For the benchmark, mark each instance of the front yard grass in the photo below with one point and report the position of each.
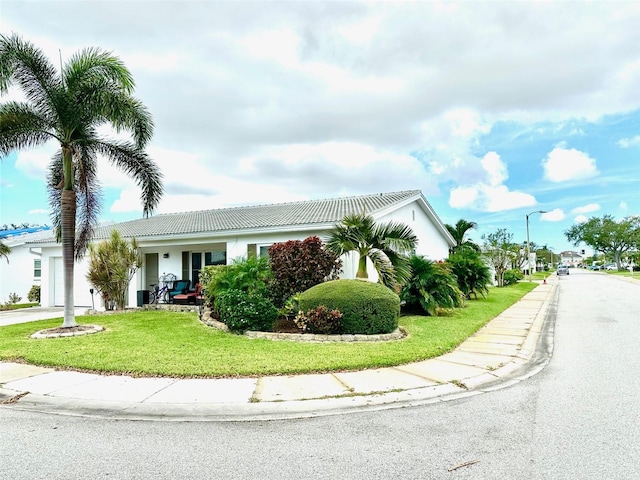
(154, 343)
(16, 306)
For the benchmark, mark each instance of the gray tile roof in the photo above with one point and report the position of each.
(282, 216)
(307, 213)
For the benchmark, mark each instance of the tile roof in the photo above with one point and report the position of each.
(282, 215)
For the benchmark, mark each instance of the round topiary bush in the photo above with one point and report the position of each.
(367, 308)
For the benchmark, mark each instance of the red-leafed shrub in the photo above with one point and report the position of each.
(320, 320)
(299, 265)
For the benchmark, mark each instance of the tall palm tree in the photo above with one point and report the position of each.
(459, 234)
(388, 246)
(5, 250)
(92, 89)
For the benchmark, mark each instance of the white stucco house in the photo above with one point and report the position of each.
(182, 243)
(571, 258)
(22, 268)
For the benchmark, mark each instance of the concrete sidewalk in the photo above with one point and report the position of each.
(510, 348)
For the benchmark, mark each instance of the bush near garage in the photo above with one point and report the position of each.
(34, 294)
(367, 308)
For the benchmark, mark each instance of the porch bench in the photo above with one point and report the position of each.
(185, 298)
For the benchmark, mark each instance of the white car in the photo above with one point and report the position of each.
(562, 270)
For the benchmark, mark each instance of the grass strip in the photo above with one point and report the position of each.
(156, 343)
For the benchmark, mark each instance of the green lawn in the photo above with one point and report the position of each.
(178, 345)
(624, 273)
(16, 306)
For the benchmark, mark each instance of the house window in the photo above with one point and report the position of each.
(264, 250)
(37, 268)
(210, 258)
(215, 258)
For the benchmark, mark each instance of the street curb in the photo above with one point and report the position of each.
(533, 356)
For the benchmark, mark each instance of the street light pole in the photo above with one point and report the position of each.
(528, 247)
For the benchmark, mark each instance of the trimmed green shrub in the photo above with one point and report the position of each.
(242, 311)
(472, 273)
(34, 294)
(432, 287)
(367, 308)
(512, 276)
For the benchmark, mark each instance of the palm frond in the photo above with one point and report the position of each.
(21, 126)
(27, 66)
(55, 177)
(136, 164)
(384, 267)
(91, 63)
(396, 236)
(88, 197)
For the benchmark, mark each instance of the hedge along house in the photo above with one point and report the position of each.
(182, 243)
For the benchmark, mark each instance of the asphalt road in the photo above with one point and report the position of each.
(578, 419)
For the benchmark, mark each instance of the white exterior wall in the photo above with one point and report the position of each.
(17, 275)
(431, 242)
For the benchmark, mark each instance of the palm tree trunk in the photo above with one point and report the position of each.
(68, 225)
(362, 267)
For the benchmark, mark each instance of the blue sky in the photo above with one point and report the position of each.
(493, 109)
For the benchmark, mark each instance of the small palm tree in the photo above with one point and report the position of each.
(459, 233)
(5, 250)
(93, 89)
(387, 246)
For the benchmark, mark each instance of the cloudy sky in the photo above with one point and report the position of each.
(493, 109)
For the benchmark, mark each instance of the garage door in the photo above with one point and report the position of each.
(58, 282)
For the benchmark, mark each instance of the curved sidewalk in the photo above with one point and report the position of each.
(510, 348)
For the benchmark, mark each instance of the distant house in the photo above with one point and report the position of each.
(24, 267)
(570, 258)
(182, 243)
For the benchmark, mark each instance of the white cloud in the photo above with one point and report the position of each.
(490, 194)
(293, 100)
(629, 142)
(580, 219)
(463, 197)
(38, 211)
(34, 163)
(563, 165)
(591, 207)
(623, 206)
(495, 168)
(554, 215)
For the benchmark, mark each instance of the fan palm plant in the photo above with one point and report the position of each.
(387, 246)
(432, 288)
(459, 234)
(93, 89)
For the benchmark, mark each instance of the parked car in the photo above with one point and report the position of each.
(610, 266)
(595, 267)
(562, 270)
